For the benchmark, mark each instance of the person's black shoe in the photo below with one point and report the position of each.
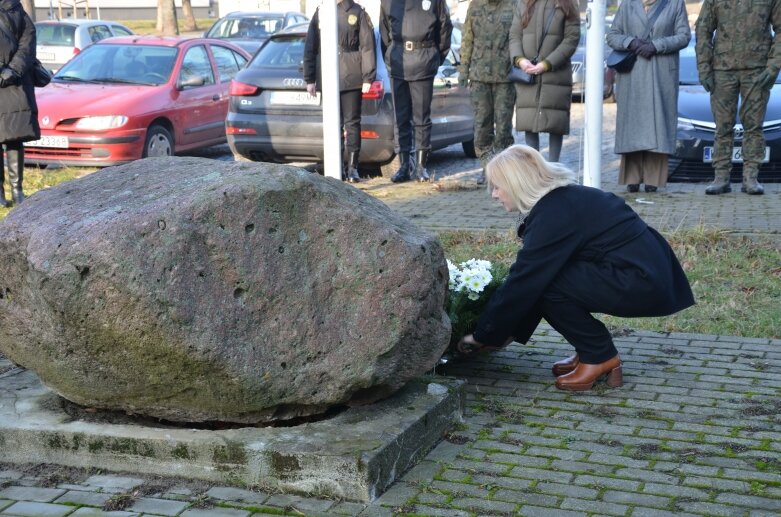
(651, 188)
(403, 174)
(633, 187)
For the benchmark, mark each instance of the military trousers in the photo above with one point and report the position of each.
(493, 105)
(729, 85)
(412, 105)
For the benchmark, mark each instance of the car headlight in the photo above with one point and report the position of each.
(101, 123)
(685, 124)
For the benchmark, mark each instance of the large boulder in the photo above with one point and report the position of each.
(190, 289)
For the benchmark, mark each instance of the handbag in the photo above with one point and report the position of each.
(41, 76)
(622, 61)
(517, 74)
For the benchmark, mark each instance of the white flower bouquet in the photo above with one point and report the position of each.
(470, 287)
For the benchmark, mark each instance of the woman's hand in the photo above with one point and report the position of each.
(524, 64)
(537, 69)
(467, 344)
(311, 90)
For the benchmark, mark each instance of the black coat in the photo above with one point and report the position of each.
(591, 241)
(357, 58)
(18, 110)
(415, 37)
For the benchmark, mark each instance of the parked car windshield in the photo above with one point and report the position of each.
(55, 34)
(281, 52)
(249, 27)
(107, 63)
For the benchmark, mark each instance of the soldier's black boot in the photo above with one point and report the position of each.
(3, 202)
(352, 168)
(15, 158)
(420, 168)
(402, 174)
(720, 184)
(750, 184)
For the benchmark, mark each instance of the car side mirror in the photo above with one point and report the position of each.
(193, 80)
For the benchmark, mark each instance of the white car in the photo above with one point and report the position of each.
(60, 40)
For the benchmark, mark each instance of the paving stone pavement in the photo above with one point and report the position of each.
(695, 430)
(456, 202)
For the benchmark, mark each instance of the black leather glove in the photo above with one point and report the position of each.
(766, 79)
(646, 50)
(635, 44)
(707, 82)
(8, 77)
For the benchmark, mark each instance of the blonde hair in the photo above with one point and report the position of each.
(521, 172)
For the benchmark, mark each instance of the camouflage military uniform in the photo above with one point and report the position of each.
(485, 62)
(737, 56)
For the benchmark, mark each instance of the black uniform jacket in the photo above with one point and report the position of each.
(584, 239)
(18, 110)
(415, 37)
(357, 58)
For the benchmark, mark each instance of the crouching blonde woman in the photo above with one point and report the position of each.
(584, 251)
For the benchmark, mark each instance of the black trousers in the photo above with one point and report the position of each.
(412, 104)
(350, 108)
(570, 315)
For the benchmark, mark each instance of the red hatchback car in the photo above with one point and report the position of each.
(127, 98)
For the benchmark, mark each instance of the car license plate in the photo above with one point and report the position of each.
(294, 99)
(737, 155)
(60, 142)
(45, 56)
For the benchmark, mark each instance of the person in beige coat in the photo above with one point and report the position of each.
(544, 107)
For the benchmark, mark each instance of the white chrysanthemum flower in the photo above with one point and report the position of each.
(473, 296)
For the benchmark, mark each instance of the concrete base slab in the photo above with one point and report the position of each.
(354, 455)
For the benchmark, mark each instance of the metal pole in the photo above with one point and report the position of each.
(329, 68)
(595, 79)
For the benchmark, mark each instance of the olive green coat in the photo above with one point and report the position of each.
(543, 107)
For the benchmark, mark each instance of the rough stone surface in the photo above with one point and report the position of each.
(194, 290)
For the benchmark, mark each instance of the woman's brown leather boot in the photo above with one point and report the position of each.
(565, 366)
(584, 375)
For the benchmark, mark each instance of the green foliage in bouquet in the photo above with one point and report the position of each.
(470, 288)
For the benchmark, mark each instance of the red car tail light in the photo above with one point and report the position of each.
(238, 89)
(369, 134)
(376, 91)
(76, 51)
(240, 131)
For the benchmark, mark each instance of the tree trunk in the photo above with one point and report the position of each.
(170, 25)
(159, 25)
(189, 17)
(29, 8)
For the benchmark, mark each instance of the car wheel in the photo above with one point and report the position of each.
(469, 149)
(159, 142)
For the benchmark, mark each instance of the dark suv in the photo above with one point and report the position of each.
(272, 118)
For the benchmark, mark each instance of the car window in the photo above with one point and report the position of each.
(248, 27)
(138, 64)
(227, 63)
(98, 32)
(55, 34)
(196, 63)
(280, 52)
(121, 31)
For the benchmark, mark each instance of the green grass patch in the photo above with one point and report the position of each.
(736, 280)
